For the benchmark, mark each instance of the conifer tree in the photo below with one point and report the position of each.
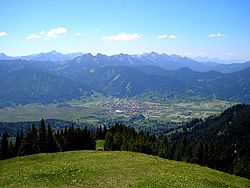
(11, 150)
(42, 141)
(21, 136)
(29, 144)
(51, 142)
(34, 140)
(198, 154)
(4, 147)
(18, 143)
(104, 132)
(109, 141)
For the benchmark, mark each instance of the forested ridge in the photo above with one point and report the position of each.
(220, 142)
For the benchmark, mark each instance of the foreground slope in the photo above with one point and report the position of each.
(109, 169)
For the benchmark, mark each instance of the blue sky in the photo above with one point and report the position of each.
(213, 28)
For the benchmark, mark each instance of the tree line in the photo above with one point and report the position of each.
(44, 139)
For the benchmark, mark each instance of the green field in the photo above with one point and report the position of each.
(109, 169)
(99, 110)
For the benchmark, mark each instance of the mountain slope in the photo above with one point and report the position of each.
(109, 169)
(225, 138)
(24, 86)
(232, 125)
(126, 81)
(233, 86)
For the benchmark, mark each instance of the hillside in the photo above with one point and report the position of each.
(109, 169)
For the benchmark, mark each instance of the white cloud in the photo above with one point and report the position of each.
(213, 35)
(55, 33)
(78, 34)
(2, 34)
(122, 37)
(167, 37)
(33, 36)
(42, 32)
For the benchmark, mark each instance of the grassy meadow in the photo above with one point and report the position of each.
(109, 169)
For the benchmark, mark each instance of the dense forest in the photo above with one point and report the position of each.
(43, 139)
(220, 142)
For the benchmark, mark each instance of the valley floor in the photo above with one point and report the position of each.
(96, 110)
(109, 169)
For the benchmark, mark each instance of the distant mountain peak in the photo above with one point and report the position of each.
(88, 55)
(53, 52)
(153, 53)
(3, 56)
(100, 54)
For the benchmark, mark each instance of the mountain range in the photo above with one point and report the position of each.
(165, 61)
(152, 76)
